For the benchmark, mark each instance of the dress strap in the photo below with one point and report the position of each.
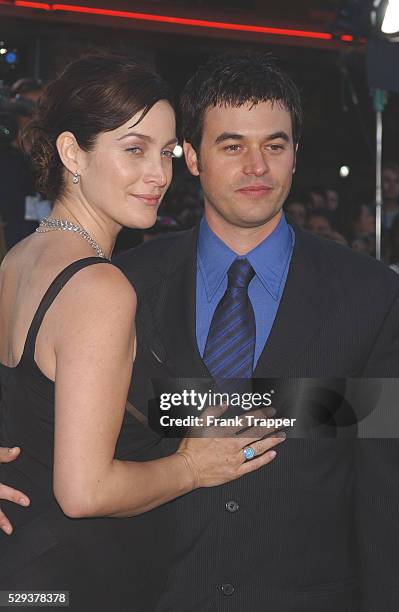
(58, 283)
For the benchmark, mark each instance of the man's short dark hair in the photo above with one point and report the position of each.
(236, 80)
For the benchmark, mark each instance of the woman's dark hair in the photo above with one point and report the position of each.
(236, 80)
(94, 94)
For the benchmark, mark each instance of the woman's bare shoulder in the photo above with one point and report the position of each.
(98, 304)
(99, 288)
(15, 255)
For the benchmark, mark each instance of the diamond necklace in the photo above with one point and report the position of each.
(49, 224)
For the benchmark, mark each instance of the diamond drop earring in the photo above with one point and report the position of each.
(76, 178)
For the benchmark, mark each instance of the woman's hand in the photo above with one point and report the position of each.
(7, 455)
(216, 455)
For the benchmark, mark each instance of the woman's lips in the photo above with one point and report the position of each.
(147, 198)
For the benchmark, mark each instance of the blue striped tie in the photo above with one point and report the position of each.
(229, 350)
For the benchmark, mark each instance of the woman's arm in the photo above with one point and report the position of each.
(94, 354)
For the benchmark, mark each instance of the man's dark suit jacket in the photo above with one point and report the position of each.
(317, 529)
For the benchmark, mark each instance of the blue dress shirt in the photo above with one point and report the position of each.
(270, 260)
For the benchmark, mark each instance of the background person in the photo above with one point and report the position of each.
(390, 193)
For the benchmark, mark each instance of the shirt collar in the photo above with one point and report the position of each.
(269, 259)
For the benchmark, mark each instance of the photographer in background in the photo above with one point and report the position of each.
(25, 94)
(20, 206)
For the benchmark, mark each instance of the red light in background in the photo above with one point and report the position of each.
(199, 23)
(37, 5)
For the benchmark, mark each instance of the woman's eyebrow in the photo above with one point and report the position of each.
(146, 138)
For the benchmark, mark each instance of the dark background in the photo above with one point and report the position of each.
(337, 131)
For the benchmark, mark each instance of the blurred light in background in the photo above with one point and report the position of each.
(10, 57)
(390, 24)
(344, 171)
(178, 151)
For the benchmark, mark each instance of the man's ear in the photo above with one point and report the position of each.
(295, 154)
(191, 158)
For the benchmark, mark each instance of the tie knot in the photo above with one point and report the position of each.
(240, 273)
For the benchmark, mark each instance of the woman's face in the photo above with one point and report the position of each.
(124, 178)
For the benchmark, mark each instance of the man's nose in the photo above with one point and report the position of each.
(255, 163)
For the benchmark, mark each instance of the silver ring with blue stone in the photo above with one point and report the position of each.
(249, 453)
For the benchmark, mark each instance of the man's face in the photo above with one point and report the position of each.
(297, 212)
(245, 163)
(332, 199)
(319, 225)
(390, 184)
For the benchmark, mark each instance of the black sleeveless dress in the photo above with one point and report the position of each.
(105, 563)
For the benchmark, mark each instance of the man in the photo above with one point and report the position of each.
(291, 537)
(284, 539)
(320, 222)
(390, 193)
(296, 211)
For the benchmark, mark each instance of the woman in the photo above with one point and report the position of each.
(103, 144)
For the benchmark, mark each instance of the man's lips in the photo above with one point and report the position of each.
(255, 190)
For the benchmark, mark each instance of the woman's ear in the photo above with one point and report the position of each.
(70, 153)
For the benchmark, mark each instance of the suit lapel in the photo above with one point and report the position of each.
(172, 302)
(305, 304)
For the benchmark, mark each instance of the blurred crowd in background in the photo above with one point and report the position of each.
(348, 220)
(351, 220)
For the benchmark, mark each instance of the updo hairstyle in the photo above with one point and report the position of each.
(94, 94)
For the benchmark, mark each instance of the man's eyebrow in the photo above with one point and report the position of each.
(234, 136)
(228, 136)
(280, 134)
